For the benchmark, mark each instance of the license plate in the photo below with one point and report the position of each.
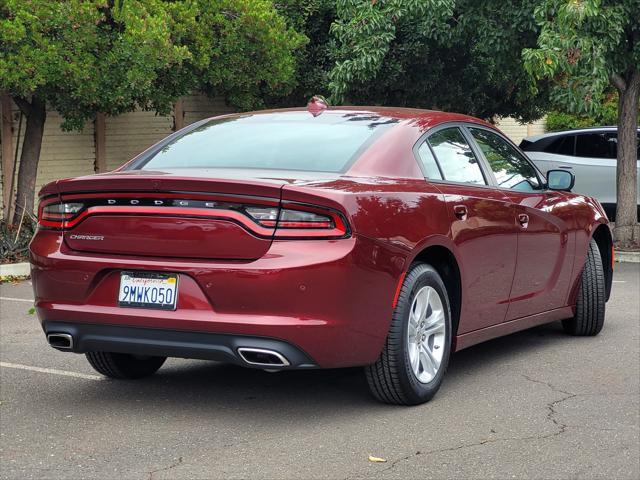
(148, 290)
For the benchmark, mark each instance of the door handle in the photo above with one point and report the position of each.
(566, 167)
(460, 211)
(523, 220)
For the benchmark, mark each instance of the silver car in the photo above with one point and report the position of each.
(590, 153)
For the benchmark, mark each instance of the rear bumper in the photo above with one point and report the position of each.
(331, 299)
(168, 343)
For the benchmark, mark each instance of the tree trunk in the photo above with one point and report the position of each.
(626, 230)
(36, 115)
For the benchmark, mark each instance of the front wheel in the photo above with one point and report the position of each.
(416, 353)
(123, 365)
(590, 304)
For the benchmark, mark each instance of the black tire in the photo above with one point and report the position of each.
(590, 304)
(124, 366)
(391, 378)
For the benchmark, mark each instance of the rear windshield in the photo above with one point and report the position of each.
(279, 141)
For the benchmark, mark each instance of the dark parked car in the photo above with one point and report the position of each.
(318, 238)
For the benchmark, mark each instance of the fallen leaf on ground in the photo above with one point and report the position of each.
(377, 459)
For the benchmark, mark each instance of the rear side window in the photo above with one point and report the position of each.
(455, 157)
(509, 167)
(429, 162)
(562, 146)
(277, 141)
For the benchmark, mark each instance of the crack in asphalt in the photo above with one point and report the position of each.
(173, 465)
(551, 416)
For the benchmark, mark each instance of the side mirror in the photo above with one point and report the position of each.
(562, 180)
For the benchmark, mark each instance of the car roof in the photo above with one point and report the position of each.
(423, 118)
(535, 138)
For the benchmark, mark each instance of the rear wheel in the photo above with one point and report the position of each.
(416, 353)
(590, 304)
(123, 365)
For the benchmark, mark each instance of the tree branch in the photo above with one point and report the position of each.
(618, 82)
(23, 104)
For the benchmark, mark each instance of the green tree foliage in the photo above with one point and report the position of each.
(458, 55)
(239, 49)
(313, 19)
(586, 47)
(81, 57)
(605, 114)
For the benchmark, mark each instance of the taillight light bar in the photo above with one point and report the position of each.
(290, 221)
(299, 221)
(54, 214)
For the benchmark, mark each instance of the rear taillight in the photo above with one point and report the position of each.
(300, 221)
(54, 214)
(265, 216)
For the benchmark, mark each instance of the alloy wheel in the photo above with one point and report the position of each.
(426, 334)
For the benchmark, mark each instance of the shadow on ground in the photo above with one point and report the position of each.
(207, 387)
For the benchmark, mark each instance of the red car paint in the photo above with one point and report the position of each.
(333, 296)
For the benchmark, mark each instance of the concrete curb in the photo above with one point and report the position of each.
(627, 257)
(15, 270)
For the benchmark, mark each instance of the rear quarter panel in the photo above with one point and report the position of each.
(398, 218)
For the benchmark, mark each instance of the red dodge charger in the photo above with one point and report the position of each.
(318, 238)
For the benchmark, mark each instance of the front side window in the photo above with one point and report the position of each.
(455, 157)
(275, 141)
(510, 168)
(612, 140)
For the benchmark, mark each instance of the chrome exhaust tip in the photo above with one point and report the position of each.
(262, 358)
(61, 341)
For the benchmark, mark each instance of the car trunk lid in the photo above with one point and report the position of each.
(159, 214)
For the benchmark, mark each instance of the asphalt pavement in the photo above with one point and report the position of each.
(536, 404)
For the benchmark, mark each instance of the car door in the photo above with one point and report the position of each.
(544, 249)
(482, 226)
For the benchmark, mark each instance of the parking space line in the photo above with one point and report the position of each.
(619, 281)
(13, 299)
(52, 371)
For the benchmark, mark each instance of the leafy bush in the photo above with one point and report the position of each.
(14, 243)
(566, 121)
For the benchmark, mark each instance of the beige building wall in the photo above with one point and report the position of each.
(129, 134)
(70, 154)
(63, 154)
(200, 107)
(516, 131)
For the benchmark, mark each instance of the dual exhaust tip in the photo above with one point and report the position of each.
(258, 357)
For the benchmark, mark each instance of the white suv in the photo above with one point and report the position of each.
(589, 153)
